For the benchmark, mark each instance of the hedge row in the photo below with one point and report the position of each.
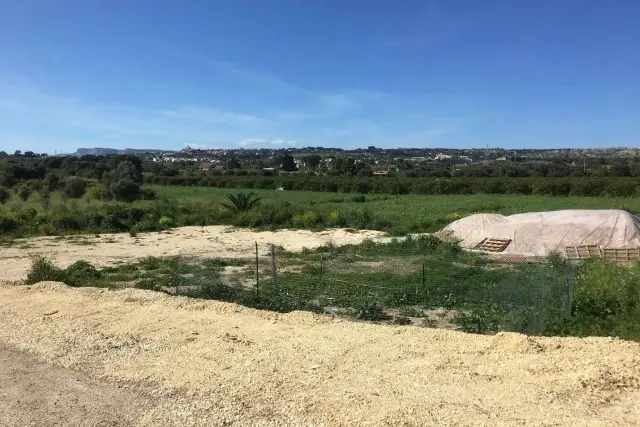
(590, 187)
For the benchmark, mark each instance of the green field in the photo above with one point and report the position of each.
(413, 213)
(180, 206)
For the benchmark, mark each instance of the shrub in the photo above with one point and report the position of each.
(125, 190)
(74, 187)
(42, 270)
(165, 222)
(306, 220)
(334, 219)
(96, 193)
(147, 194)
(34, 184)
(360, 198)
(80, 273)
(5, 195)
(24, 191)
(8, 223)
(51, 181)
(369, 309)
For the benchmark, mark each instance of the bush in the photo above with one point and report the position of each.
(125, 190)
(360, 198)
(147, 194)
(308, 219)
(96, 193)
(80, 273)
(8, 223)
(74, 187)
(5, 195)
(24, 191)
(369, 309)
(43, 270)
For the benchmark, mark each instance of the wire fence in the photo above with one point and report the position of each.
(411, 281)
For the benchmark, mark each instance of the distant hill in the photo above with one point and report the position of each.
(98, 151)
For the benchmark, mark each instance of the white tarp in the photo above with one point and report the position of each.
(539, 233)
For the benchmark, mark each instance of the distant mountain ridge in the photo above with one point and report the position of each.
(99, 151)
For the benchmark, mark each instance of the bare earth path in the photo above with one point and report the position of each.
(39, 394)
(210, 363)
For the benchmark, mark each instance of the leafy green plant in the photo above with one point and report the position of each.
(81, 273)
(242, 202)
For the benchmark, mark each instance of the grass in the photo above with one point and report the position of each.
(412, 213)
(180, 206)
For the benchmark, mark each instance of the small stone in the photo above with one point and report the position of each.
(314, 367)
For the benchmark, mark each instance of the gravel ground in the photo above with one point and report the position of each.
(211, 363)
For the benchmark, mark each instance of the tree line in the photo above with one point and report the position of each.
(589, 187)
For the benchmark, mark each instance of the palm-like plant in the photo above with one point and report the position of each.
(242, 202)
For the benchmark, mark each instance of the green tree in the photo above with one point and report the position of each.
(242, 202)
(312, 161)
(24, 191)
(122, 183)
(74, 187)
(288, 163)
(125, 190)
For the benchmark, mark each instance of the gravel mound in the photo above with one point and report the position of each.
(214, 363)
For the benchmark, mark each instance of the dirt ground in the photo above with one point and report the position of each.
(40, 394)
(158, 360)
(207, 242)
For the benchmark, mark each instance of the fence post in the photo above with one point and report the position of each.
(570, 296)
(273, 270)
(257, 272)
(424, 285)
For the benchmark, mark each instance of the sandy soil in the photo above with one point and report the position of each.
(213, 363)
(210, 241)
(40, 394)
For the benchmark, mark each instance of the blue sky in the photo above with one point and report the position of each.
(338, 73)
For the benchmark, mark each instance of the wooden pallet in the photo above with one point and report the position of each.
(583, 252)
(493, 244)
(621, 254)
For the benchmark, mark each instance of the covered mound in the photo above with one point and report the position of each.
(540, 233)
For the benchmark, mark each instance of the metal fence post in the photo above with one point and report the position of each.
(276, 290)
